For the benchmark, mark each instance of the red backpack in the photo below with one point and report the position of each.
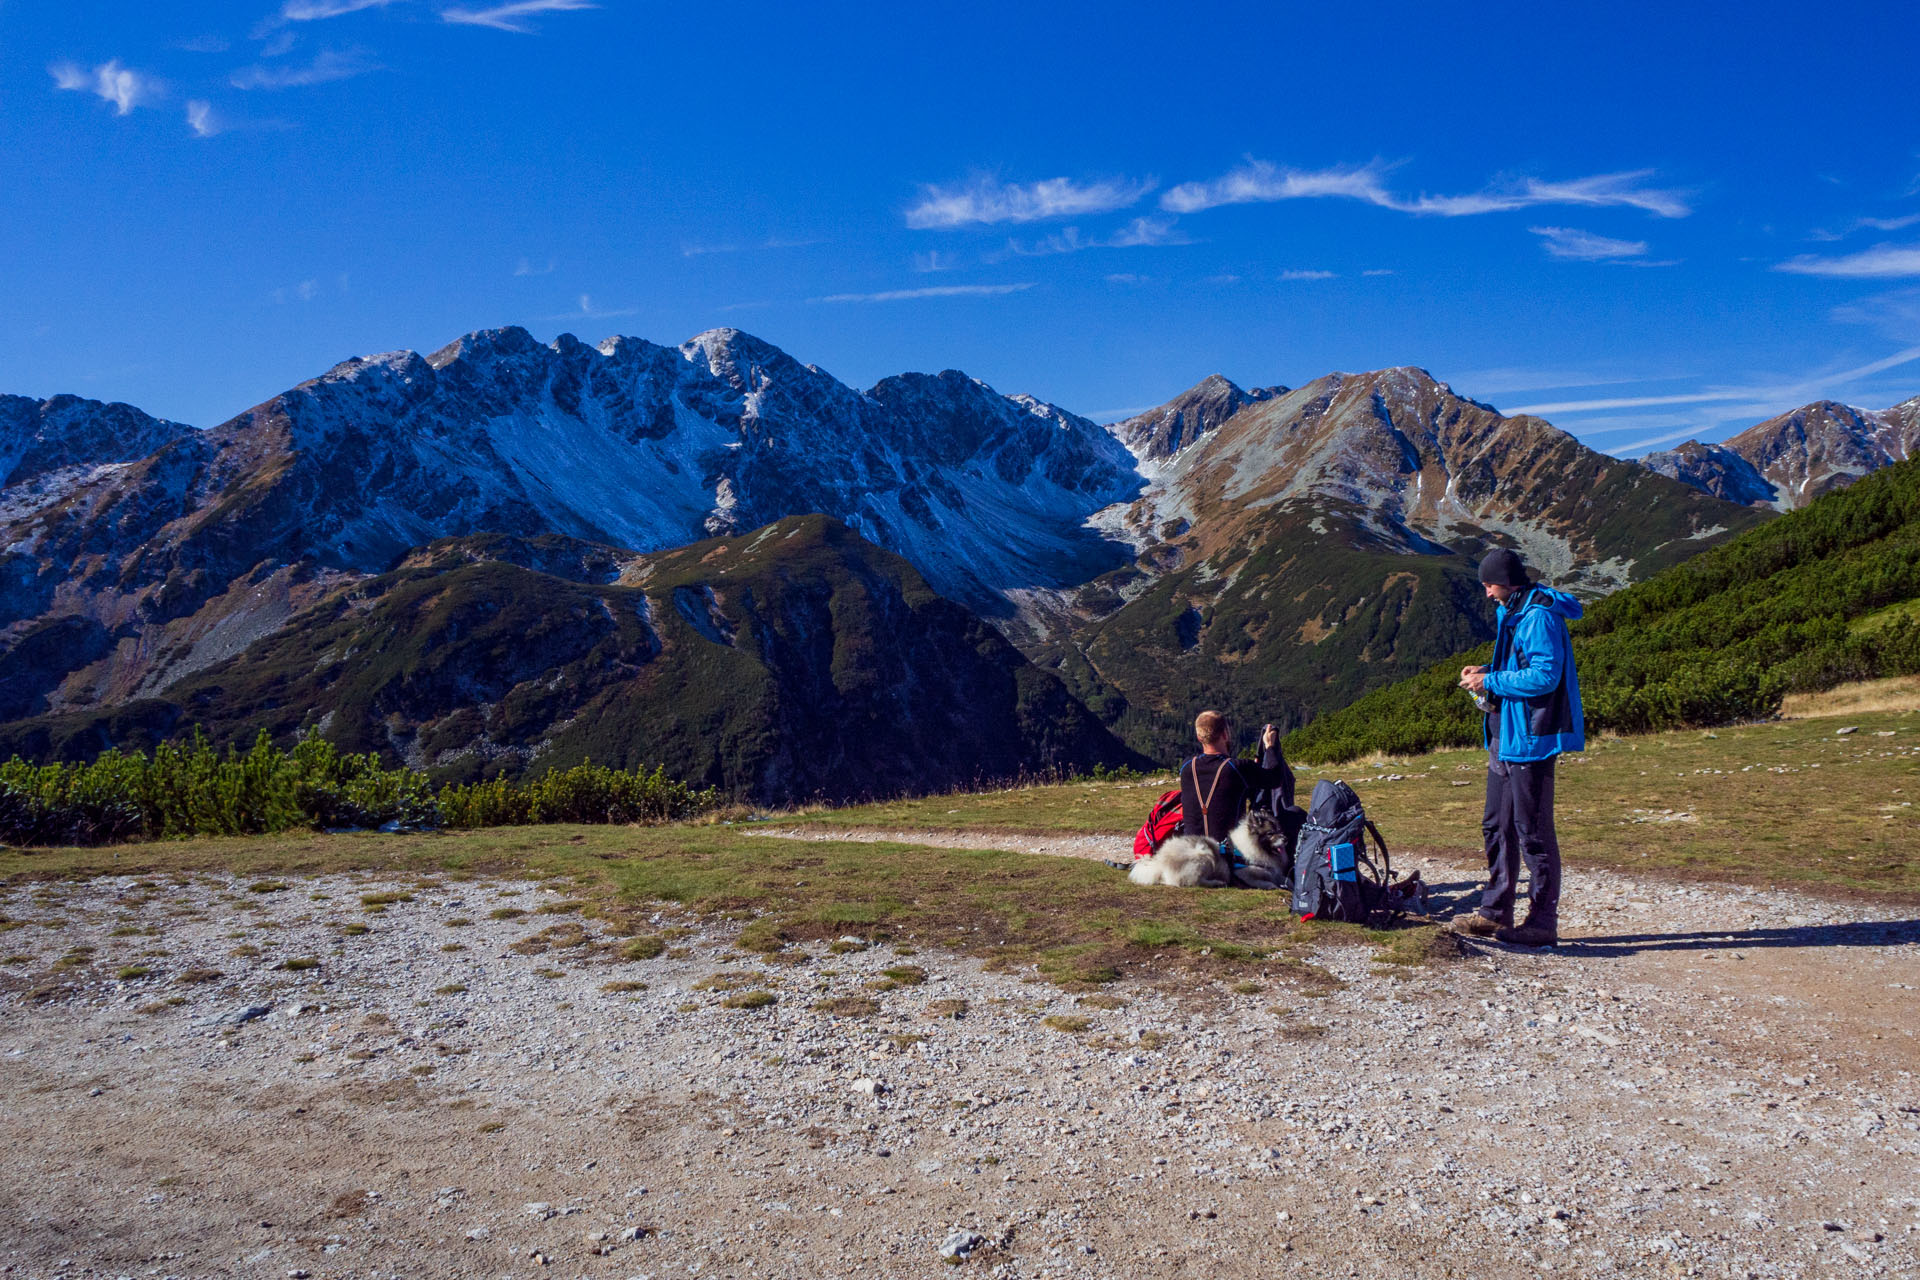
(1162, 821)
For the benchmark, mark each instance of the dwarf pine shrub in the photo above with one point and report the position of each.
(190, 789)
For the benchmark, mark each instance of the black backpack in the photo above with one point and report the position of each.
(1334, 877)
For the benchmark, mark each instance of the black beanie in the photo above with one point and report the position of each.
(1502, 568)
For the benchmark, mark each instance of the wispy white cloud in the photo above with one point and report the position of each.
(1882, 262)
(1308, 275)
(305, 291)
(1260, 182)
(124, 87)
(204, 44)
(202, 119)
(691, 250)
(987, 201)
(934, 261)
(1225, 277)
(1602, 191)
(1630, 402)
(1896, 314)
(513, 17)
(525, 267)
(1125, 277)
(319, 10)
(1138, 234)
(1763, 397)
(1585, 246)
(1378, 271)
(327, 66)
(1867, 224)
(932, 291)
(588, 311)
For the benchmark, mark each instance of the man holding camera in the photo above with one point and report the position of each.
(1530, 698)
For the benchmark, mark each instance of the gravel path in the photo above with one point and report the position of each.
(447, 1099)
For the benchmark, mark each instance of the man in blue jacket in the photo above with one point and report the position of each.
(1531, 698)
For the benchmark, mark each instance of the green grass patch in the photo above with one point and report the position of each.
(642, 948)
(848, 1007)
(749, 1000)
(906, 975)
(622, 988)
(1073, 1024)
(727, 981)
(127, 973)
(299, 964)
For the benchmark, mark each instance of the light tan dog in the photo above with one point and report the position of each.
(1184, 862)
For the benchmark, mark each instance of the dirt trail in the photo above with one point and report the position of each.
(1703, 1080)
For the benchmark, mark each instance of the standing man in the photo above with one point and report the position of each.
(1531, 699)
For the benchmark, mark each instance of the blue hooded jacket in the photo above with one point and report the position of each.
(1532, 674)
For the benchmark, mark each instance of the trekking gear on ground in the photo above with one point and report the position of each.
(1162, 821)
(1334, 877)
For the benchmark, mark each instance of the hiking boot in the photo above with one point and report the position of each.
(1479, 925)
(1527, 935)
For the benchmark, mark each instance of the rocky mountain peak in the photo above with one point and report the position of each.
(40, 437)
(1160, 433)
(1792, 458)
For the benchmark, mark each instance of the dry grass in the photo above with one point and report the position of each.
(1896, 693)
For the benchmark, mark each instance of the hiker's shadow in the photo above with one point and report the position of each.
(1870, 933)
(1456, 897)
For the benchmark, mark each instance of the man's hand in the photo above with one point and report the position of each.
(1474, 678)
(1269, 736)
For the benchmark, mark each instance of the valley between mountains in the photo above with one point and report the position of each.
(508, 555)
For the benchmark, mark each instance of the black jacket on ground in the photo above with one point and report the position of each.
(1199, 778)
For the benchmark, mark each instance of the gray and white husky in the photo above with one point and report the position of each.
(1189, 861)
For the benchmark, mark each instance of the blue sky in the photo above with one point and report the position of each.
(1645, 224)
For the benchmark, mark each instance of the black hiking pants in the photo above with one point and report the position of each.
(1518, 825)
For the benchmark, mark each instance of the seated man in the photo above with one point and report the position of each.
(1215, 788)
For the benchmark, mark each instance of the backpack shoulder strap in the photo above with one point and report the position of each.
(1206, 820)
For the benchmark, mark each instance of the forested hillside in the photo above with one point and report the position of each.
(1818, 597)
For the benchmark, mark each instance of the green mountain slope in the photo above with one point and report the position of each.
(1816, 598)
(792, 662)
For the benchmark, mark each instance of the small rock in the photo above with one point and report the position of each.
(869, 1086)
(633, 1233)
(248, 1014)
(540, 1209)
(1866, 1235)
(959, 1244)
(95, 1092)
(298, 1273)
(479, 1233)
(1841, 733)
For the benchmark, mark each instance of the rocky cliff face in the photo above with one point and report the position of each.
(1786, 462)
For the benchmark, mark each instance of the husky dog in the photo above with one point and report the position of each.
(1186, 861)
(1183, 862)
(1261, 841)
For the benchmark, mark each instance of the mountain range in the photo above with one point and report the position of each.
(1274, 551)
(1786, 462)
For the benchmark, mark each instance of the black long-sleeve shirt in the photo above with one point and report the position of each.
(1200, 780)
